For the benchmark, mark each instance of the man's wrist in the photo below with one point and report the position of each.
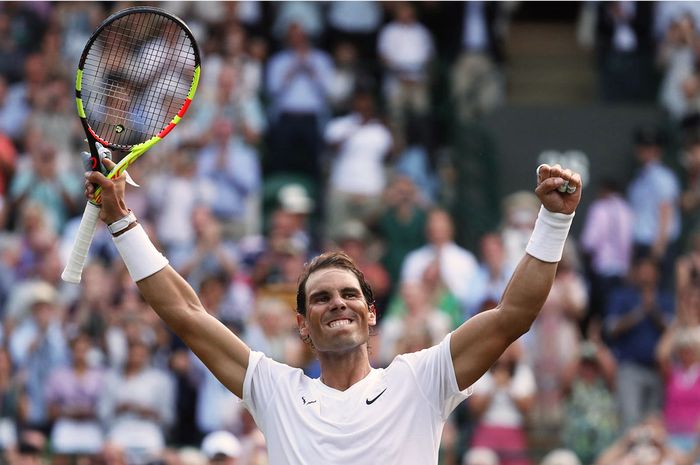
(122, 224)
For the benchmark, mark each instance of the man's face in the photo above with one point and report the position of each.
(337, 315)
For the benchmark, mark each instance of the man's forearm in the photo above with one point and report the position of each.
(527, 291)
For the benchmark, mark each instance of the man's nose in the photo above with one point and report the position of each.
(337, 302)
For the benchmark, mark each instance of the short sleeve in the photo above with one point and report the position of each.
(435, 376)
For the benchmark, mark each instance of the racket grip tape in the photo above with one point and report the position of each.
(78, 256)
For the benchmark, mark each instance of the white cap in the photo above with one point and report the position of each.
(561, 457)
(480, 456)
(294, 198)
(221, 443)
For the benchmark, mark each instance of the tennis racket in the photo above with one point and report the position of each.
(136, 79)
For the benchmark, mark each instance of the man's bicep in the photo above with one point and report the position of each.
(476, 345)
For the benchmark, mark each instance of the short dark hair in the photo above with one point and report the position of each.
(334, 259)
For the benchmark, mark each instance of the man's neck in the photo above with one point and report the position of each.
(340, 371)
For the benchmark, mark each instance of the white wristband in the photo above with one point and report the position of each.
(549, 236)
(141, 257)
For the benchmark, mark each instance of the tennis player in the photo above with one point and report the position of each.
(353, 413)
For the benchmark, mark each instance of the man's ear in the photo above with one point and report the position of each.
(372, 315)
(301, 324)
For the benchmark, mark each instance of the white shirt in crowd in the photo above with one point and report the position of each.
(458, 267)
(406, 47)
(502, 411)
(394, 415)
(359, 167)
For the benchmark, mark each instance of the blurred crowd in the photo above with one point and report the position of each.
(321, 125)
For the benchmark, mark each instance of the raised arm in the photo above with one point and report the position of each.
(169, 294)
(479, 341)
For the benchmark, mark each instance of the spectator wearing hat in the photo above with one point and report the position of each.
(654, 196)
(37, 346)
(221, 448)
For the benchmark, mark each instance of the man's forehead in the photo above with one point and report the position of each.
(328, 278)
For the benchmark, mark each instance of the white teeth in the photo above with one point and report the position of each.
(335, 323)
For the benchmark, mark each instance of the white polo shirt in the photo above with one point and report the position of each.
(392, 416)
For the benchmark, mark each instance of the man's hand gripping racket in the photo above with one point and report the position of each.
(135, 81)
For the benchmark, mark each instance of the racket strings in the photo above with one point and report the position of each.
(136, 76)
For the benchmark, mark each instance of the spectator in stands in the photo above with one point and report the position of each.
(231, 170)
(501, 401)
(71, 394)
(221, 448)
(690, 196)
(271, 330)
(210, 253)
(492, 277)
(678, 356)
(405, 49)
(13, 406)
(480, 456)
(356, 23)
(402, 225)
(677, 56)
(137, 405)
(457, 265)
(654, 196)
(606, 242)
(361, 143)
(37, 346)
(645, 443)
(623, 47)
(355, 240)
(590, 422)
(418, 314)
(552, 342)
(636, 317)
(41, 181)
(298, 82)
(478, 83)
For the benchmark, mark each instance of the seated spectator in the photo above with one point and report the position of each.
(37, 346)
(552, 342)
(361, 143)
(480, 456)
(221, 448)
(560, 457)
(405, 47)
(644, 443)
(12, 413)
(272, 330)
(137, 405)
(354, 239)
(678, 355)
(492, 277)
(231, 170)
(457, 265)
(72, 394)
(402, 225)
(500, 403)
(590, 422)
(418, 313)
(42, 182)
(636, 317)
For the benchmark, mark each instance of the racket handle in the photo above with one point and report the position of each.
(83, 239)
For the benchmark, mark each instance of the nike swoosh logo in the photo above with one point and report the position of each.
(369, 402)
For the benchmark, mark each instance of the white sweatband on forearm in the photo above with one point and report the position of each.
(549, 236)
(141, 257)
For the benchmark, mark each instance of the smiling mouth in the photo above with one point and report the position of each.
(337, 323)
